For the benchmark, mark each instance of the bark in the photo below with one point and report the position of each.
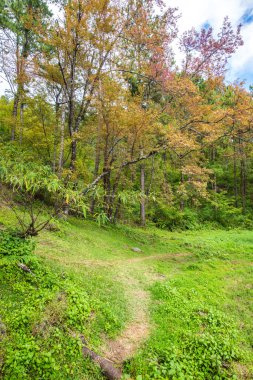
(107, 176)
(62, 137)
(107, 367)
(117, 211)
(56, 127)
(182, 205)
(15, 114)
(97, 162)
(143, 199)
(235, 178)
(73, 151)
(20, 72)
(22, 105)
(242, 175)
(121, 167)
(25, 268)
(151, 176)
(243, 184)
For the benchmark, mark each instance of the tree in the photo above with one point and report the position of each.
(18, 42)
(206, 55)
(29, 182)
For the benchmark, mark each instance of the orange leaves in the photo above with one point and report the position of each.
(180, 142)
(195, 182)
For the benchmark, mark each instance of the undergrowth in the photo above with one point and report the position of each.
(42, 315)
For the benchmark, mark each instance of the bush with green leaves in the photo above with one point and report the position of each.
(13, 245)
(170, 218)
(42, 333)
(29, 182)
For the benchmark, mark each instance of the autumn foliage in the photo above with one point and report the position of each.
(96, 94)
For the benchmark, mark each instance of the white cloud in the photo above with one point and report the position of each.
(242, 61)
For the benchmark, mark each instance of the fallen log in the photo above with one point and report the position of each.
(25, 268)
(107, 367)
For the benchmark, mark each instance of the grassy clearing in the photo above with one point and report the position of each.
(203, 318)
(197, 303)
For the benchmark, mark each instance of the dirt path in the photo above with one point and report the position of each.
(132, 260)
(137, 331)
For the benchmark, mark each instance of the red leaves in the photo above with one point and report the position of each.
(207, 55)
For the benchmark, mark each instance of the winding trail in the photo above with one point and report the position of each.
(125, 345)
(132, 260)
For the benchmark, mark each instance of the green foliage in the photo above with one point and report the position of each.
(45, 311)
(13, 245)
(169, 217)
(14, 16)
(29, 181)
(197, 308)
(102, 218)
(42, 339)
(200, 309)
(202, 345)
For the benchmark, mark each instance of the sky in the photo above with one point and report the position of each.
(198, 13)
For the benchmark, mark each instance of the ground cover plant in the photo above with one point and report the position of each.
(188, 296)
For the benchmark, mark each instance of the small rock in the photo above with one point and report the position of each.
(136, 249)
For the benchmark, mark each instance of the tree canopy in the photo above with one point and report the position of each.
(97, 96)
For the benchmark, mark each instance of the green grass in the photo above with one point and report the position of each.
(200, 302)
(203, 314)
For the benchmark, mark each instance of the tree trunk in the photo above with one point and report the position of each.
(97, 163)
(182, 205)
(62, 138)
(243, 184)
(242, 175)
(143, 200)
(22, 105)
(15, 115)
(235, 178)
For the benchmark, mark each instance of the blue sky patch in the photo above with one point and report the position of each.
(206, 25)
(247, 17)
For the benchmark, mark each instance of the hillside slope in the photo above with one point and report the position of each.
(179, 309)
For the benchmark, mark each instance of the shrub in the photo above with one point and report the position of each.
(13, 245)
(170, 218)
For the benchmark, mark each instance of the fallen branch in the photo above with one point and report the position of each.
(107, 367)
(25, 268)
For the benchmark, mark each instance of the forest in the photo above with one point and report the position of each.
(126, 197)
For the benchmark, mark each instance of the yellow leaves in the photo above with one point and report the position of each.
(195, 182)
(180, 141)
(196, 172)
(50, 72)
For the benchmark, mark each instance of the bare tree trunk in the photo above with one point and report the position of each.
(143, 200)
(242, 175)
(97, 162)
(22, 105)
(56, 127)
(151, 176)
(235, 178)
(62, 137)
(15, 115)
(243, 184)
(182, 205)
(73, 154)
(117, 211)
